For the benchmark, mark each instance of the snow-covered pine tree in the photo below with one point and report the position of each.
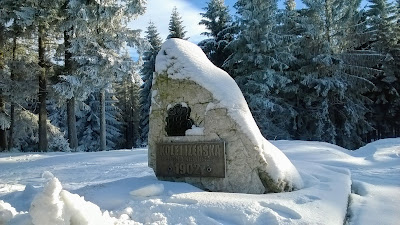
(290, 5)
(290, 29)
(334, 76)
(98, 33)
(68, 70)
(45, 19)
(257, 63)
(147, 71)
(218, 22)
(127, 93)
(27, 138)
(19, 55)
(7, 15)
(89, 123)
(114, 121)
(176, 28)
(384, 30)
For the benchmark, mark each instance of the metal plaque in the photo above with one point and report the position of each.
(190, 159)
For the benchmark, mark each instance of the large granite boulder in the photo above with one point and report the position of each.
(211, 107)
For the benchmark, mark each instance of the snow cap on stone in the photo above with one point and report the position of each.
(180, 59)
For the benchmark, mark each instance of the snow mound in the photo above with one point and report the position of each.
(47, 175)
(7, 212)
(57, 206)
(147, 191)
(180, 59)
(47, 208)
(381, 150)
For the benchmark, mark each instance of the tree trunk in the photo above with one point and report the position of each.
(328, 20)
(12, 104)
(102, 120)
(3, 132)
(43, 142)
(71, 118)
(129, 113)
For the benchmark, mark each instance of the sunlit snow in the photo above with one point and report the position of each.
(117, 187)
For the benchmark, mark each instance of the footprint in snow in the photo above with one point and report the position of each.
(306, 199)
(181, 201)
(282, 211)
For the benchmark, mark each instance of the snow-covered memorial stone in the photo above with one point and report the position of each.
(201, 130)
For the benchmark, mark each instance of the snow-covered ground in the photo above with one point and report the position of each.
(117, 187)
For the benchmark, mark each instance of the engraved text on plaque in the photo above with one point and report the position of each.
(190, 159)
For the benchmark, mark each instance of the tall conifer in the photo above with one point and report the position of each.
(176, 28)
(334, 76)
(219, 25)
(147, 75)
(257, 64)
(384, 30)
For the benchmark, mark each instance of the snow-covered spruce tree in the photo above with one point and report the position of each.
(45, 19)
(20, 57)
(68, 70)
(290, 28)
(218, 22)
(175, 27)
(384, 30)
(114, 122)
(127, 93)
(27, 138)
(333, 75)
(97, 35)
(257, 64)
(290, 5)
(90, 123)
(147, 71)
(7, 16)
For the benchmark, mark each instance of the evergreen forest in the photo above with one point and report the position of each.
(326, 72)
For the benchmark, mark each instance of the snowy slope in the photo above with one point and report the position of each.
(123, 190)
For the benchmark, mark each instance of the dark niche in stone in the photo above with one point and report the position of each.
(178, 120)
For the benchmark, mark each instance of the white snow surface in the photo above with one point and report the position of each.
(181, 59)
(117, 187)
(195, 131)
(149, 190)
